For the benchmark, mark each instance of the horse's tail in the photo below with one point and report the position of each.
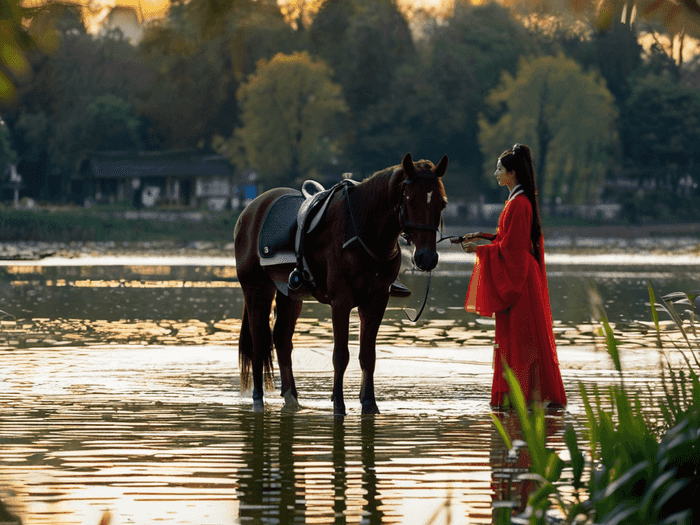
(245, 357)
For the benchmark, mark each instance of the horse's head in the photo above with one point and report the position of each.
(421, 202)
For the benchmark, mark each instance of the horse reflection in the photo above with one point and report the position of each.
(268, 484)
(276, 485)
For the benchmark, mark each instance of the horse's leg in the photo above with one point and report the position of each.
(288, 311)
(258, 304)
(371, 315)
(340, 314)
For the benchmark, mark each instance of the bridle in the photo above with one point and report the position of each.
(407, 226)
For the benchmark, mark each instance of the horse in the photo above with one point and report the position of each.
(352, 257)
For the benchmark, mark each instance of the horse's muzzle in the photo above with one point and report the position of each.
(426, 259)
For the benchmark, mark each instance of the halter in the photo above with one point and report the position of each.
(406, 226)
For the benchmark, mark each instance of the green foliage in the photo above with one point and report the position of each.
(290, 119)
(565, 115)
(364, 42)
(95, 226)
(199, 60)
(8, 155)
(660, 126)
(633, 477)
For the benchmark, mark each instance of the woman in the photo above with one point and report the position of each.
(510, 281)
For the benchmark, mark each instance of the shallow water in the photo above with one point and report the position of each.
(120, 393)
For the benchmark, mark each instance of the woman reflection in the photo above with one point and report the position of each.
(510, 281)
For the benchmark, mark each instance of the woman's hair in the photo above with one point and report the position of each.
(519, 159)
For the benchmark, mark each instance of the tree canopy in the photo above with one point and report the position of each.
(400, 81)
(565, 115)
(290, 111)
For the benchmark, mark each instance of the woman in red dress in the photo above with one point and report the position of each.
(510, 281)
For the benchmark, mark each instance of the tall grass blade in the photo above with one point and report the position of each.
(592, 423)
(577, 459)
(655, 315)
(502, 432)
(517, 398)
(611, 344)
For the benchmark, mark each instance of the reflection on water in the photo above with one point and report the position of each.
(120, 393)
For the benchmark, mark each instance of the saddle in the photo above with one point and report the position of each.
(288, 220)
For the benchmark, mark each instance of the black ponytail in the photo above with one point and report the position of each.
(519, 160)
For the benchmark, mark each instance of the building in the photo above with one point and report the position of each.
(165, 178)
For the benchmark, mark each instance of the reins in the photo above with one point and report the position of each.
(357, 237)
(427, 288)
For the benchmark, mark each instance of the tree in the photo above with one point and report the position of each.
(111, 125)
(32, 132)
(8, 155)
(63, 86)
(565, 115)
(660, 128)
(467, 56)
(290, 111)
(677, 16)
(200, 57)
(364, 42)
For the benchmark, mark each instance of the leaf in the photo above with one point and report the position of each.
(502, 431)
(577, 459)
(620, 513)
(537, 451)
(670, 310)
(625, 478)
(611, 344)
(555, 465)
(654, 313)
(592, 422)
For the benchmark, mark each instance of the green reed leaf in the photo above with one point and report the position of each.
(555, 465)
(577, 459)
(611, 344)
(592, 422)
(517, 398)
(502, 431)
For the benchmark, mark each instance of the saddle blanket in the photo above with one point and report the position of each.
(276, 240)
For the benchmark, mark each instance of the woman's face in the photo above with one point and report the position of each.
(504, 177)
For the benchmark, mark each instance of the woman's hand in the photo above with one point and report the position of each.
(468, 246)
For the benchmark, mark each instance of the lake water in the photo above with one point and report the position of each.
(120, 394)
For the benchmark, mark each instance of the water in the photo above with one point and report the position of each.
(120, 394)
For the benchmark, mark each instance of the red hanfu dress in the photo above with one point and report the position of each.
(509, 282)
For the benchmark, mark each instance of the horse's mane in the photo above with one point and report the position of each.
(377, 184)
(381, 175)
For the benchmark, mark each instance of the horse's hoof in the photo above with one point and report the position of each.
(290, 402)
(338, 409)
(258, 406)
(370, 409)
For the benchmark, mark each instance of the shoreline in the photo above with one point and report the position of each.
(606, 243)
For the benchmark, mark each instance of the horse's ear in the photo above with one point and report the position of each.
(408, 168)
(441, 168)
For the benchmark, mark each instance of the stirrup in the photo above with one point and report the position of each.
(399, 290)
(296, 279)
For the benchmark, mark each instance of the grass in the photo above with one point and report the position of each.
(97, 225)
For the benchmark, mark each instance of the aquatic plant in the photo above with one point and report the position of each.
(633, 477)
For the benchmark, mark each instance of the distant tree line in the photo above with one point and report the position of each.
(355, 84)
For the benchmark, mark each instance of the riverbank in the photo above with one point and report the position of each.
(35, 235)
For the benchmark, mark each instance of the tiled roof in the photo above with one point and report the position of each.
(181, 164)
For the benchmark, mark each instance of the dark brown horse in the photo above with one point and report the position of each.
(348, 271)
